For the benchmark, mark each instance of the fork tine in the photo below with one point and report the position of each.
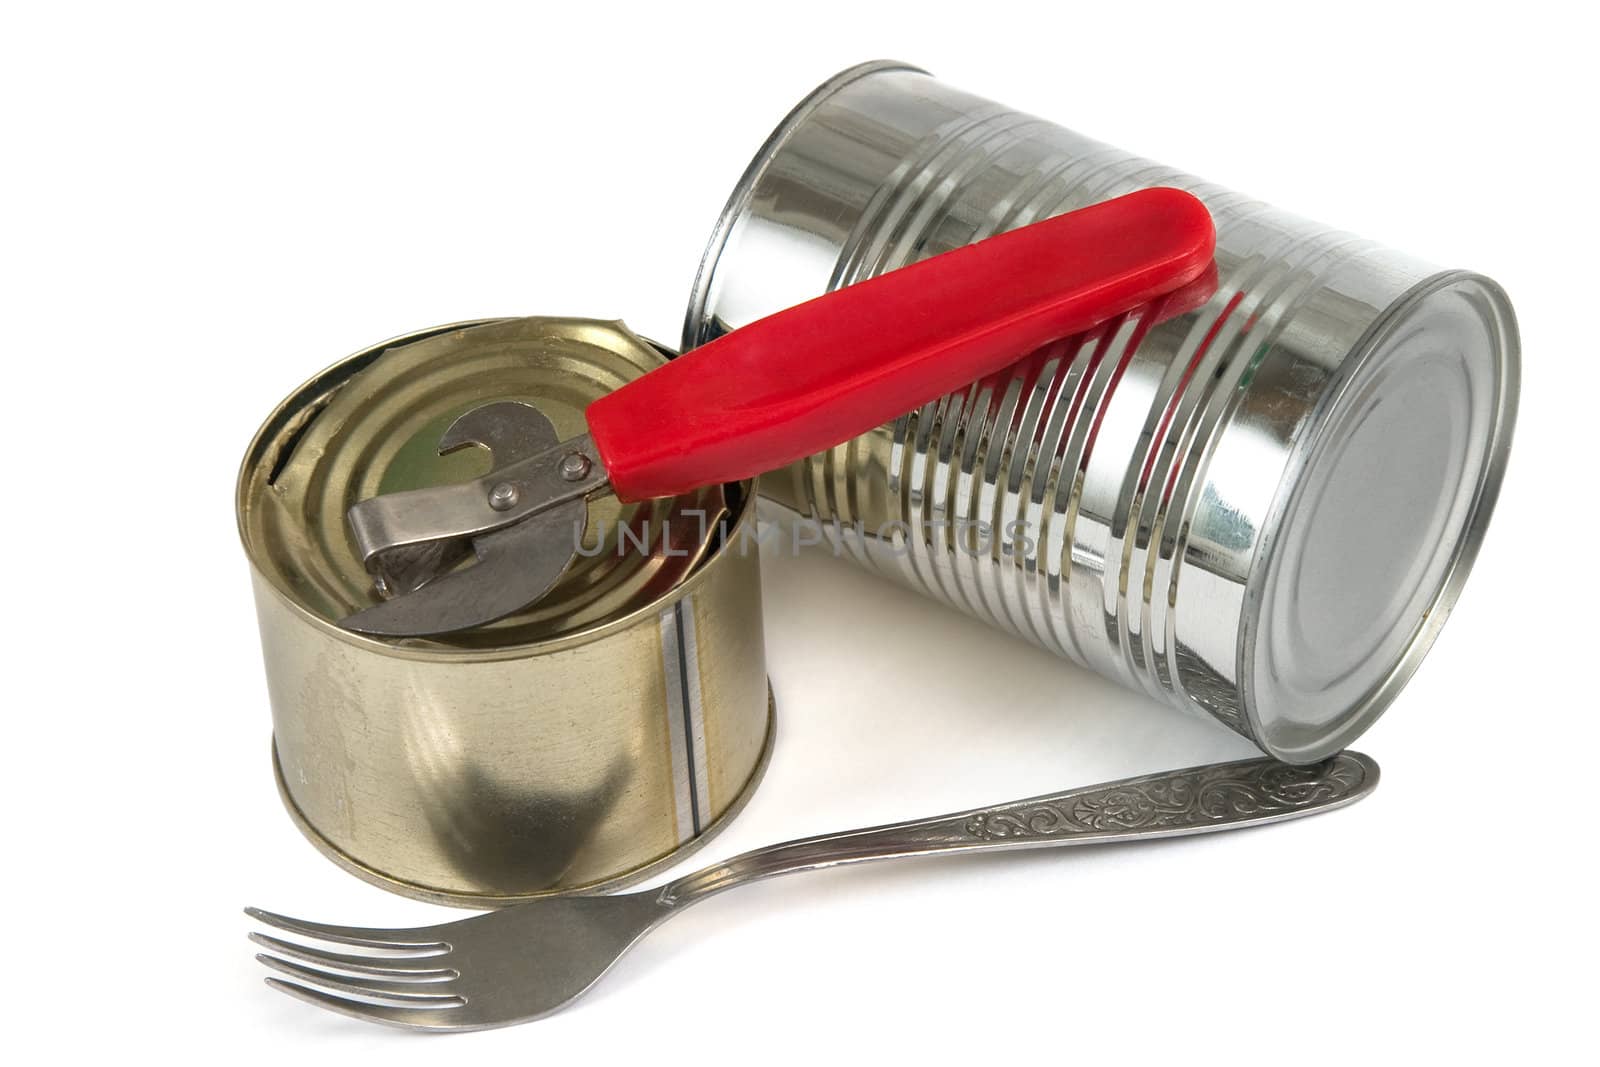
(365, 937)
(410, 994)
(418, 1018)
(412, 967)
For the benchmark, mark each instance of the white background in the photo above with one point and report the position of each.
(202, 205)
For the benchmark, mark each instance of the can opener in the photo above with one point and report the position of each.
(794, 383)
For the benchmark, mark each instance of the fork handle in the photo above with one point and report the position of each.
(1196, 800)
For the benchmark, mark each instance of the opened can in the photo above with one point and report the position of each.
(582, 743)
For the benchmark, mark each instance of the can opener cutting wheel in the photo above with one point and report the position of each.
(794, 383)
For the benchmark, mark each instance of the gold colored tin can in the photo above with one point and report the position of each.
(580, 744)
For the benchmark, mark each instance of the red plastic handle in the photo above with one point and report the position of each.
(816, 375)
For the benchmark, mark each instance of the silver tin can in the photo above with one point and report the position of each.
(1261, 510)
(583, 743)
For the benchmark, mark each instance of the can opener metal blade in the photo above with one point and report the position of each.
(794, 383)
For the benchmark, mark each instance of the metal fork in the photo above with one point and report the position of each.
(522, 962)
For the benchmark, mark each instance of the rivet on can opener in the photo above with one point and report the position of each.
(786, 386)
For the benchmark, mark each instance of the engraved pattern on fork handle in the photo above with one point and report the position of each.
(1196, 800)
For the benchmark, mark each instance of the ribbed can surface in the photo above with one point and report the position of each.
(1168, 503)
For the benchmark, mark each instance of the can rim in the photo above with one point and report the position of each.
(744, 189)
(321, 382)
(328, 378)
(1468, 538)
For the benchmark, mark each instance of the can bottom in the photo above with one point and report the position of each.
(627, 878)
(1391, 496)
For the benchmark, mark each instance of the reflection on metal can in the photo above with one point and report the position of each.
(584, 742)
(1261, 510)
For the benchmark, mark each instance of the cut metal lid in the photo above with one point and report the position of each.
(376, 424)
